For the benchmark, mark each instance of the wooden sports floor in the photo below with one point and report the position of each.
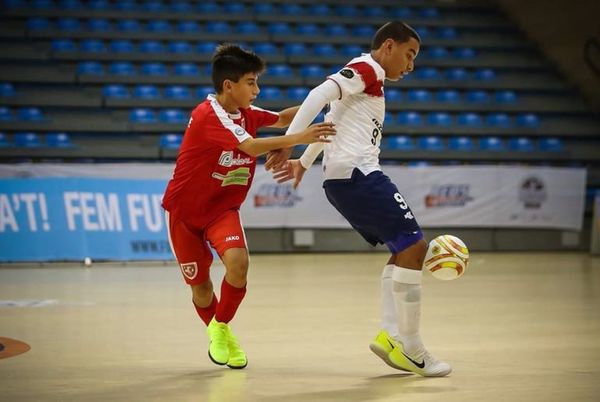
(515, 327)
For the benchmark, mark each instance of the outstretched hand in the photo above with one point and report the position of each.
(291, 169)
(318, 132)
(277, 158)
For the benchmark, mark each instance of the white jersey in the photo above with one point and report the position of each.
(358, 116)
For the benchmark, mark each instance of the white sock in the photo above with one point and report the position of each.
(407, 298)
(388, 306)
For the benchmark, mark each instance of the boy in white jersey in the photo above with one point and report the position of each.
(355, 185)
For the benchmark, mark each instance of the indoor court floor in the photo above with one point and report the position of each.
(515, 327)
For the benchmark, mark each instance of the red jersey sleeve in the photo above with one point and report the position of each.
(358, 77)
(263, 117)
(219, 129)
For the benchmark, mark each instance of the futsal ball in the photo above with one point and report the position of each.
(447, 257)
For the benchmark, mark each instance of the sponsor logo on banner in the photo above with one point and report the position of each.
(189, 270)
(276, 195)
(448, 195)
(532, 192)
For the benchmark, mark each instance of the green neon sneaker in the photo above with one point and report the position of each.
(420, 362)
(218, 349)
(382, 346)
(237, 356)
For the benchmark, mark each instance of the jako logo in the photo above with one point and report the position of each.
(232, 238)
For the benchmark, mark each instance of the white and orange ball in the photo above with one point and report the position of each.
(447, 257)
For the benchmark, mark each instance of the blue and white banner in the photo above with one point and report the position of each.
(75, 218)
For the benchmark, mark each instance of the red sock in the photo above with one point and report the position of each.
(231, 297)
(207, 313)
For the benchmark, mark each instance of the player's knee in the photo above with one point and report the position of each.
(202, 293)
(412, 257)
(236, 265)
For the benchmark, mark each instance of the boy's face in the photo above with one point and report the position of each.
(402, 58)
(243, 92)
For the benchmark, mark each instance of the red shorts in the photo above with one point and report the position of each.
(191, 246)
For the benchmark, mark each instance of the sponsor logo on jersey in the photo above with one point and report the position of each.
(239, 177)
(232, 238)
(226, 159)
(276, 195)
(532, 192)
(346, 72)
(189, 270)
(448, 195)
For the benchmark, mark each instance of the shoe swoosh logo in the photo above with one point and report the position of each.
(419, 365)
(391, 344)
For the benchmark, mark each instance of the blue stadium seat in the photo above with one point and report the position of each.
(352, 50)
(27, 140)
(460, 144)
(99, 25)
(298, 93)
(520, 144)
(392, 95)
(265, 49)
(401, 12)
(294, 49)
(58, 140)
(336, 30)
(363, 30)
(324, 49)
(121, 46)
(98, 5)
(427, 73)
(144, 91)
(115, 91)
(4, 143)
(181, 7)
(374, 11)
(170, 141)
(410, 118)
(142, 115)
(151, 46)
(265, 9)
(154, 69)
(90, 67)
(279, 28)
(346, 10)
(153, 6)
(6, 114)
(423, 31)
(507, 97)
(437, 52)
(180, 47)
(218, 27)
(63, 45)
(129, 25)
(292, 9)
(499, 120)
(38, 24)
(70, 5)
(203, 91)
(448, 96)
(121, 68)
(419, 95)
(186, 69)
(247, 27)
(178, 92)
(7, 90)
(231, 7)
(307, 29)
(30, 114)
(528, 120)
(126, 5)
(477, 96)
(312, 70)
(457, 74)
(441, 119)
(401, 143)
(173, 116)
(208, 8)
(485, 74)
(279, 70)
(469, 120)
(68, 24)
(42, 4)
(92, 46)
(188, 27)
(446, 33)
(206, 47)
(270, 93)
(429, 12)
(321, 10)
(551, 144)
(431, 143)
(464, 53)
(491, 144)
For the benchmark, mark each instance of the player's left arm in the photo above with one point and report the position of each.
(285, 117)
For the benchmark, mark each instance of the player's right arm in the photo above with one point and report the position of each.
(317, 133)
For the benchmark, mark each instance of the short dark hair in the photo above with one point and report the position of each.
(396, 30)
(231, 62)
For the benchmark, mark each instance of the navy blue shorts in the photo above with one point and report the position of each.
(374, 207)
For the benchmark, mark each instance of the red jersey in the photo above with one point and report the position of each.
(211, 175)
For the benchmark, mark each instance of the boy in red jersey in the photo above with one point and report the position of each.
(212, 176)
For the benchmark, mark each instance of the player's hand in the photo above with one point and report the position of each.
(292, 169)
(318, 132)
(277, 158)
